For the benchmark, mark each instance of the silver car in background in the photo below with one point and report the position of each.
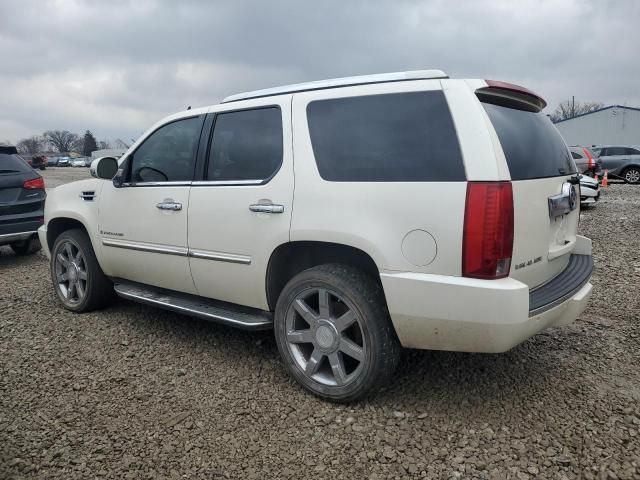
(586, 160)
(622, 161)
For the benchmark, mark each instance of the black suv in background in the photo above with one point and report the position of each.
(22, 196)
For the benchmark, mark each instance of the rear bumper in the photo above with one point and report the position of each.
(15, 237)
(462, 314)
(14, 228)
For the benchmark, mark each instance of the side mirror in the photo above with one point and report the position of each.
(104, 167)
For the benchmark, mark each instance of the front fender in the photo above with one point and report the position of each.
(68, 202)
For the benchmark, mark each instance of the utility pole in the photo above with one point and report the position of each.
(573, 106)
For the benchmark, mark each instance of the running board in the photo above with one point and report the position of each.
(220, 312)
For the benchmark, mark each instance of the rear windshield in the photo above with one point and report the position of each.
(532, 145)
(397, 137)
(13, 164)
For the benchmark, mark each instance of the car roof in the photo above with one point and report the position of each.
(618, 145)
(339, 82)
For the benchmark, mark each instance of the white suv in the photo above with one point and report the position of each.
(352, 216)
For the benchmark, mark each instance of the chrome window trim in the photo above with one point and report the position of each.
(221, 257)
(158, 184)
(223, 183)
(145, 247)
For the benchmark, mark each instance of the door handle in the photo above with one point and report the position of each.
(169, 206)
(266, 208)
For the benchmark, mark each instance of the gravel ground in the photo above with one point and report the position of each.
(135, 392)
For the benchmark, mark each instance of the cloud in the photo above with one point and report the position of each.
(116, 67)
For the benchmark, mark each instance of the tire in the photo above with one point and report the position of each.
(92, 292)
(631, 175)
(344, 351)
(26, 247)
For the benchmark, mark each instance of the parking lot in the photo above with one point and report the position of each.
(136, 392)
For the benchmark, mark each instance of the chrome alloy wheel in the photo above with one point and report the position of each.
(632, 175)
(71, 272)
(325, 337)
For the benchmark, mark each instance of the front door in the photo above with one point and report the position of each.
(143, 224)
(240, 210)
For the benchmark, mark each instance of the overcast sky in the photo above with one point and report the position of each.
(117, 66)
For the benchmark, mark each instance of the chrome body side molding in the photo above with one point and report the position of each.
(145, 247)
(181, 251)
(221, 257)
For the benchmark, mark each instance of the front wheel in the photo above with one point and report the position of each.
(78, 280)
(632, 175)
(334, 333)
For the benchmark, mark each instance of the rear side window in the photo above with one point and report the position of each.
(531, 144)
(246, 145)
(576, 156)
(400, 137)
(13, 164)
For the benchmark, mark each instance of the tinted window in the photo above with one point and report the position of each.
(613, 151)
(576, 156)
(246, 145)
(168, 154)
(531, 144)
(632, 151)
(385, 138)
(13, 164)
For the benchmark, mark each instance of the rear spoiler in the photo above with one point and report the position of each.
(510, 95)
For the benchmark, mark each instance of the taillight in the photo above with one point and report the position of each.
(35, 184)
(487, 244)
(590, 161)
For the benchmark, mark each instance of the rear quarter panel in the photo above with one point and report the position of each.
(374, 216)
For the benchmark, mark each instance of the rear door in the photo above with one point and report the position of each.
(546, 203)
(240, 209)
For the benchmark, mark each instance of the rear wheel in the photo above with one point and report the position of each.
(78, 280)
(334, 332)
(26, 247)
(632, 175)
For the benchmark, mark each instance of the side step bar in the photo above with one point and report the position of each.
(220, 312)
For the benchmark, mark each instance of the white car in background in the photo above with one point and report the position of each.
(79, 162)
(427, 214)
(589, 190)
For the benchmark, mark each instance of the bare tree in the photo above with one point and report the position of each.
(31, 144)
(103, 145)
(61, 140)
(571, 108)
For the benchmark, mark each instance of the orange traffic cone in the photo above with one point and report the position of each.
(605, 179)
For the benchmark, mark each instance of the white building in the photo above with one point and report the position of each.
(613, 125)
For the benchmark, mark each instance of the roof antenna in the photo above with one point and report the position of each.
(189, 107)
